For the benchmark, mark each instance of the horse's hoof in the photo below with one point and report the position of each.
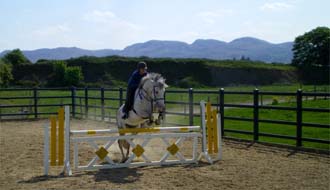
(150, 123)
(123, 160)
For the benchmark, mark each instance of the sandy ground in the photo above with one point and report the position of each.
(244, 166)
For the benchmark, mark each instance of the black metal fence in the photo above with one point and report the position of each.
(107, 100)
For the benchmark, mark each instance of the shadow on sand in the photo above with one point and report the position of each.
(117, 175)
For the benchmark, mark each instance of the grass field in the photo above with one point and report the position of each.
(310, 117)
(289, 130)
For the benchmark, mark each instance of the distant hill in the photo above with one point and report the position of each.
(253, 48)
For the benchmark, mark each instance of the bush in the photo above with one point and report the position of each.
(73, 76)
(188, 82)
(275, 101)
(5, 75)
(65, 76)
(57, 77)
(28, 83)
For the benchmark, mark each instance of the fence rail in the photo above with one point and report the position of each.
(80, 101)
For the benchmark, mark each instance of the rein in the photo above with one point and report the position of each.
(150, 99)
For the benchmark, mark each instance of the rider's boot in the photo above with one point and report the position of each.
(125, 116)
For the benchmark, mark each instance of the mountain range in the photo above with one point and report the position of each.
(253, 48)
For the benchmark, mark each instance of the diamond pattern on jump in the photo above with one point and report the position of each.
(106, 157)
(177, 153)
(138, 150)
(173, 149)
(101, 153)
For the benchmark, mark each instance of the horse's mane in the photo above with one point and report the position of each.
(156, 77)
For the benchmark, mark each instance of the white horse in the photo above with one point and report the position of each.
(148, 99)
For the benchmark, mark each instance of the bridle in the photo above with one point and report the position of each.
(150, 99)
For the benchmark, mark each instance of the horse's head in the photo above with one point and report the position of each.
(154, 85)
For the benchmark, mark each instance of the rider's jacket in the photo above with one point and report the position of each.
(135, 79)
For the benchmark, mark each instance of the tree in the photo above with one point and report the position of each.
(2, 61)
(73, 76)
(16, 57)
(41, 61)
(5, 75)
(312, 48)
(57, 77)
(64, 75)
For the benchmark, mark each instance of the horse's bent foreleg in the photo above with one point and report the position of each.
(120, 143)
(124, 144)
(127, 153)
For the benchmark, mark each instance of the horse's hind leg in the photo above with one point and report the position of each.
(128, 145)
(121, 144)
(127, 148)
(124, 144)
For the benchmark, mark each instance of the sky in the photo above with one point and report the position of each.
(115, 24)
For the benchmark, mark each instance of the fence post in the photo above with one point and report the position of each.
(73, 101)
(299, 118)
(86, 102)
(325, 90)
(191, 106)
(102, 103)
(35, 98)
(222, 110)
(120, 96)
(164, 114)
(255, 114)
(314, 91)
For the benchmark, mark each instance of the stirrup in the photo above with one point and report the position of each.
(125, 116)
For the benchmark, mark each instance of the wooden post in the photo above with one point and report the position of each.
(299, 119)
(222, 110)
(35, 98)
(102, 104)
(191, 107)
(120, 96)
(73, 101)
(256, 115)
(86, 102)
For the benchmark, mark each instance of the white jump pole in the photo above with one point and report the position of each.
(46, 149)
(205, 152)
(67, 167)
(137, 130)
(219, 137)
(68, 132)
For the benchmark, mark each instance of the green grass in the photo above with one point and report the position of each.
(170, 97)
(308, 117)
(289, 130)
(244, 98)
(249, 65)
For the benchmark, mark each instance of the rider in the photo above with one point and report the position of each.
(133, 84)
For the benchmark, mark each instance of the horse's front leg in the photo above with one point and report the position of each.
(127, 150)
(121, 146)
(126, 145)
(160, 117)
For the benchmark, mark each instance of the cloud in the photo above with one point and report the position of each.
(99, 16)
(49, 36)
(108, 17)
(210, 17)
(106, 29)
(53, 30)
(275, 6)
